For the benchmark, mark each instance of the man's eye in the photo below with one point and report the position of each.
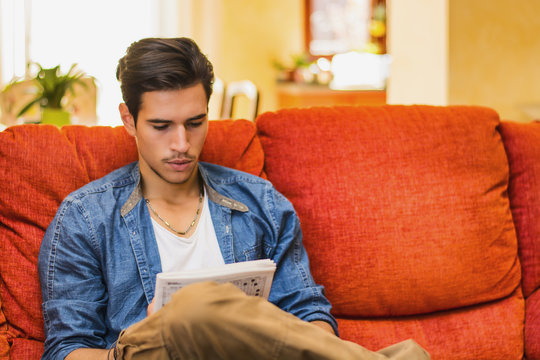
(160, 127)
(195, 124)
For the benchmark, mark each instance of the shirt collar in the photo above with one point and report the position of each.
(213, 195)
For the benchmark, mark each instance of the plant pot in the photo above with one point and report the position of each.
(56, 117)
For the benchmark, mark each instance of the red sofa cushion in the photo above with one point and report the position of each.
(39, 166)
(522, 143)
(404, 208)
(488, 331)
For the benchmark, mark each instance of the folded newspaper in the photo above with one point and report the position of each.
(253, 277)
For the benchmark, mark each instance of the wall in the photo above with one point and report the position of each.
(494, 55)
(417, 42)
(481, 52)
(243, 37)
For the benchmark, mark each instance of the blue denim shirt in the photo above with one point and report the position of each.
(99, 257)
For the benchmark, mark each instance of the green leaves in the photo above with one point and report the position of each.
(52, 86)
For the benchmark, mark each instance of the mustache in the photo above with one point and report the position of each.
(180, 157)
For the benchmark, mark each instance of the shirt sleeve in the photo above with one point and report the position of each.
(74, 295)
(294, 289)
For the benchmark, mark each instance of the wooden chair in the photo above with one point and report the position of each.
(13, 98)
(235, 89)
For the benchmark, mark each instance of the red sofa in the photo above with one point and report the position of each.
(422, 222)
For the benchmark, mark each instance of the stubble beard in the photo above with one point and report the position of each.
(181, 182)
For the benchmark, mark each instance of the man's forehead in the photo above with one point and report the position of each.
(192, 97)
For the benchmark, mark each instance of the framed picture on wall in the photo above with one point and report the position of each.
(338, 26)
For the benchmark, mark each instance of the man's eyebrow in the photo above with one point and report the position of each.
(159, 121)
(164, 121)
(197, 117)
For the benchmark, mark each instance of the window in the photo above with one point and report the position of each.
(94, 34)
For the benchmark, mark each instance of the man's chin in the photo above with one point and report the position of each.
(175, 177)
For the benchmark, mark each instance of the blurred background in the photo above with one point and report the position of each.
(297, 53)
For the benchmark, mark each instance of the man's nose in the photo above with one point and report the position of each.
(180, 141)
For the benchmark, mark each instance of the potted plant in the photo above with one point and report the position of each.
(51, 87)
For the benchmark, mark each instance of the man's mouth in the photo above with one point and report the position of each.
(179, 164)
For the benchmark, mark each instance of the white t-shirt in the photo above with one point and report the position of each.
(200, 250)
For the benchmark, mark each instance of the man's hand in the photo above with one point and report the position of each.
(150, 308)
(324, 325)
(90, 354)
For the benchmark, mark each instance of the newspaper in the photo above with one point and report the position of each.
(253, 277)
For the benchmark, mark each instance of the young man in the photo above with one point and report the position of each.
(168, 211)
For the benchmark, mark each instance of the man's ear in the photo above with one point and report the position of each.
(127, 119)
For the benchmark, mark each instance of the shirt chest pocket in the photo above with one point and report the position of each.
(255, 251)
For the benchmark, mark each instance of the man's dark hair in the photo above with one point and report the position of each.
(155, 64)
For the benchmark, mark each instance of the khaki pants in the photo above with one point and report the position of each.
(211, 321)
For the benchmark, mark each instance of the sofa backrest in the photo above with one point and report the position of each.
(522, 143)
(39, 166)
(405, 212)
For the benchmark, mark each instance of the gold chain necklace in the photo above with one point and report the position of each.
(169, 225)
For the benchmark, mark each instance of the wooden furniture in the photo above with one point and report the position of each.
(81, 103)
(240, 88)
(291, 95)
